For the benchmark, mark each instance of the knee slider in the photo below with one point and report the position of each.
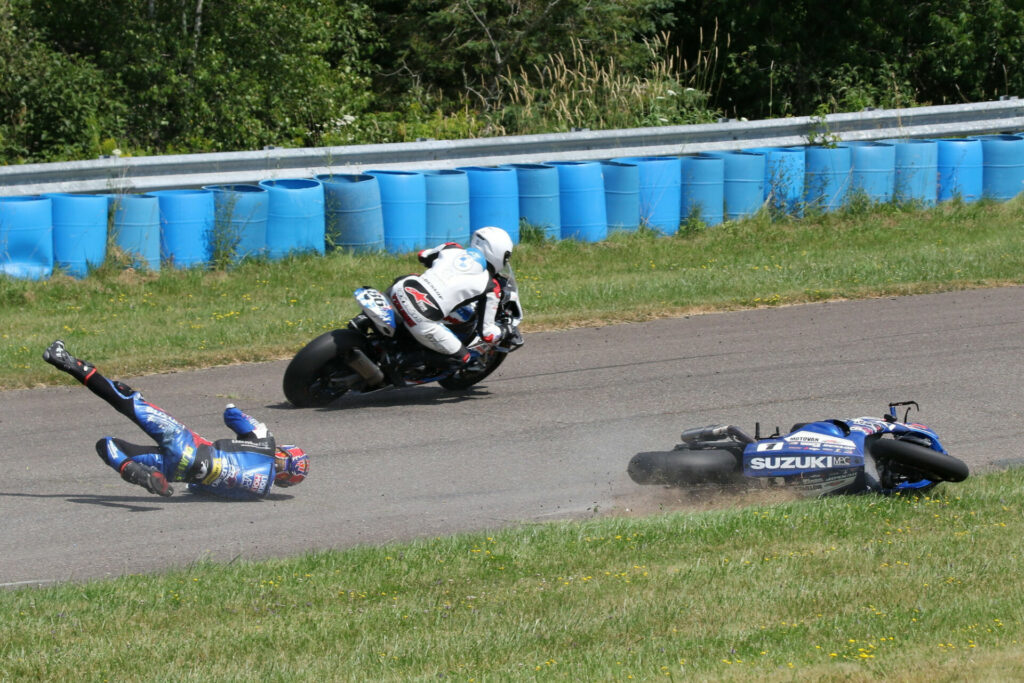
(110, 453)
(101, 449)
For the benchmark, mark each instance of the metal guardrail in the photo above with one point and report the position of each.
(144, 174)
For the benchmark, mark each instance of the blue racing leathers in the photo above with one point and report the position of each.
(238, 469)
(232, 468)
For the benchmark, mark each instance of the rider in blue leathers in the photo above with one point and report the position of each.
(245, 467)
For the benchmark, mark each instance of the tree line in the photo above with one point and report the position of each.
(88, 77)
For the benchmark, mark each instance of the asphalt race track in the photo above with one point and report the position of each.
(547, 437)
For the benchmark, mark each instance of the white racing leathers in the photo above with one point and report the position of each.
(456, 278)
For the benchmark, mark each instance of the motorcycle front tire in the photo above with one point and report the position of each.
(685, 467)
(934, 465)
(307, 379)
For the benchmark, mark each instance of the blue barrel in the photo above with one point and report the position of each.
(827, 177)
(240, 221)
(659, 179)
(26, 237)
(1002, 166)
(621, 195)
(960, 169)
(295, 216)
(186, 226)
(874, 170)
(784, 171)
(744, 182)
(353, 215)
(403, 199)
(581, 200)
(917, 172)
(79, 231)
(539, 203)
(493, 198)
(136, 227)
(447, 206)
(703, 189)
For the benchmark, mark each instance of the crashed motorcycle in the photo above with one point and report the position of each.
(834, 456)
(374, 352)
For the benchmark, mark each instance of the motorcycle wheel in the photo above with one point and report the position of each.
(307, 379)
(685, 467)
(464, 379)
(932, 464)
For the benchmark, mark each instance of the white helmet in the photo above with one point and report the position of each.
(494, 244)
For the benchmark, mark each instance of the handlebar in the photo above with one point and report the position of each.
(892, 416)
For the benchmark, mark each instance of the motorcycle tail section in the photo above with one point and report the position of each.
(378, 309)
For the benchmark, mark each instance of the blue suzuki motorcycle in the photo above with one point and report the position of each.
(857, 455)
(374, 352)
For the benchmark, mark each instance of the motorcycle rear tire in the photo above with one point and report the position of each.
(934, 465)
(306, 378)
(464, 379)
(685, 467)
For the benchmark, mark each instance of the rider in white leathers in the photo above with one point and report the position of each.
(456, 278)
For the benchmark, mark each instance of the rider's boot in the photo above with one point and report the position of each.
(57, 356)
(464, 359)
(243, 425)
(149, 478)
(452, 361)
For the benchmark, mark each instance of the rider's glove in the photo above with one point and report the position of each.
(427, 256)
(493, 334)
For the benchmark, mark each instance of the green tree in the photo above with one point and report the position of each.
(53, 106)
(969, 50)
(222, 76)
(790, 56)
(469, 45)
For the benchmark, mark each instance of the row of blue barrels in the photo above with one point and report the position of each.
(181, 227)
(586, 200)
(922, 171)
(393, 210)
(400, 211)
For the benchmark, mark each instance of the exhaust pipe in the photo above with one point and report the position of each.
(367, 369)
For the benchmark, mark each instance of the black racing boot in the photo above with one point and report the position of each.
(58, 356)
(460, 360)
(442, 362)
(149, 478)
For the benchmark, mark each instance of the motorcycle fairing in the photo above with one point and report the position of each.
(829, 456)
(818, 458)
(917, 432)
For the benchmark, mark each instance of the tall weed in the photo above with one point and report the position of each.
(576, 90)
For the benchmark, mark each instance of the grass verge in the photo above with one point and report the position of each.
(858, 588)
(134, 322)
(849, 588)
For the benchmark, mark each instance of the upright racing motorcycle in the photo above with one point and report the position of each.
(374, 352)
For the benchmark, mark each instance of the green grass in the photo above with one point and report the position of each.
(133, 323)
(861, 588)
(852, 588)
